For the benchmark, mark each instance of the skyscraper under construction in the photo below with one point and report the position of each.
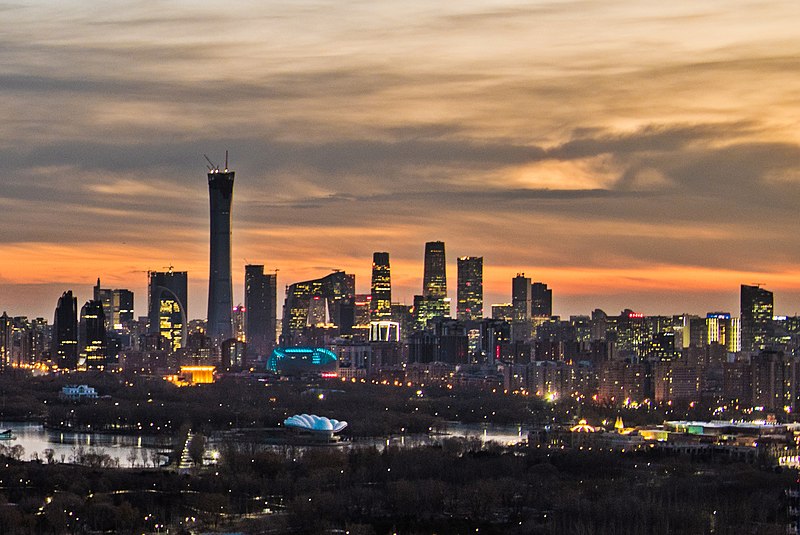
(220, 301)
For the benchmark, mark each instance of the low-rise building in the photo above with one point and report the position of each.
(78, 392)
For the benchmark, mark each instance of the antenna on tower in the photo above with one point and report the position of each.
(213, 166)
(226, 160)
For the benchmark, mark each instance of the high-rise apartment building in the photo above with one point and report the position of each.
(237, 317)
(521, 297)
(260, 296)
(92, 336)
(166, 300)
(40, 333)
(6, 340)
(521, 303)
(470, 288)
(381, 302)
(65, 332)
(220, 289)
(756, 317)
(722, 329)
(774, 381)
(541, 300)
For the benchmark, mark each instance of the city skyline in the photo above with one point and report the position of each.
(627, 155)
(648, 309)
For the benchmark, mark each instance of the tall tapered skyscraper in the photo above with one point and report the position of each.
(434, 279)
(433, 302)
(381, 287)
(220, 302)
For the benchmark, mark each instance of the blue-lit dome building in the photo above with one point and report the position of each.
(303, 360)
(312, 422)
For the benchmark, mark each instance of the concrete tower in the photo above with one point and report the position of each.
(220, 302)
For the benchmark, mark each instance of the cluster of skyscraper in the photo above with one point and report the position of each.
(106, 327)
(85, 340)
(749, 361)
(317, 311)
(522, 347)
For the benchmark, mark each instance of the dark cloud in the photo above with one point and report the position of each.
(652, 138)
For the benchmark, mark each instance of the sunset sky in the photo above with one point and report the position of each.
(628, 153)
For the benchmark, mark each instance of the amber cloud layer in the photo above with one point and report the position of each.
(629, 153)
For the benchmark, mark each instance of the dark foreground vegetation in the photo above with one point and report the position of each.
(459, 487)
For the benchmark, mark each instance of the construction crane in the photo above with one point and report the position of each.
(214, 168)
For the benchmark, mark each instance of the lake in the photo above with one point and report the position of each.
(35, 439)
(138, 450)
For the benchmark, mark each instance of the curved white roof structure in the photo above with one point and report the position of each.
(312, 422)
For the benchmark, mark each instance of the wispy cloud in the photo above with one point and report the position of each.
(578, 140)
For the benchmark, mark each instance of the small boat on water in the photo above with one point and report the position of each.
(7, 435)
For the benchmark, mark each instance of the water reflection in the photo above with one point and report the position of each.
(36, 440)
(139, 450)
(506, 435)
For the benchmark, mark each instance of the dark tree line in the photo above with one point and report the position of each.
(454, 488)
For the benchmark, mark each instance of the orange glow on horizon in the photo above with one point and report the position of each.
(31, 264)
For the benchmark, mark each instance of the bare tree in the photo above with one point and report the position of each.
(197, 448)
(132, 456)
(155, 458)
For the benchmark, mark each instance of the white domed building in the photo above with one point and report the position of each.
(317, 428)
